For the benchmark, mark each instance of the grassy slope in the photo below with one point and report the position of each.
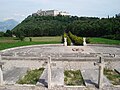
(104, 41)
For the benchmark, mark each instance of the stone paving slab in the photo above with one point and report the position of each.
(13, 75)
(90, 77)
(57, 77)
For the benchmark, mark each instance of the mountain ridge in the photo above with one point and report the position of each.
(8, 24)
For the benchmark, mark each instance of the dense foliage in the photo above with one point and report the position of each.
(43, 26)
(80, 26)
(75, 39)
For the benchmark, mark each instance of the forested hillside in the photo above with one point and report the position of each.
(81, 26)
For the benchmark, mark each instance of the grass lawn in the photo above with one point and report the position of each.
(104, 41)
(31, 77)
(113, 76)
(73, 78)
(9, 42)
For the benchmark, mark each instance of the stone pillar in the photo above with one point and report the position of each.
(65, 41)
(49, 72)
(1, 73)
(101, 69)
(84, 41)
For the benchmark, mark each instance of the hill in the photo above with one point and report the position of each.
(8, 25)
(80, 26)
(46, 25)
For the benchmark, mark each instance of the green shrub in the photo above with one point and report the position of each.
(68, 41)
(75, 39)
(72, 37)
(78, 41)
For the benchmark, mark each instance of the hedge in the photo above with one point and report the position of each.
(75, 39)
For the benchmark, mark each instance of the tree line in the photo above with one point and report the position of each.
(80, 26)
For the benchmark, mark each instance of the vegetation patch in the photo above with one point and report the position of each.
(31, 77)
(75, 39)
(73, 78)
(113, 76)
(104, 41)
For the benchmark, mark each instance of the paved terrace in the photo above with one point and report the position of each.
(32, 57)
(60, 52)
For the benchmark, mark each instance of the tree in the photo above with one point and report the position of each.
(8, 33)
(20, 35)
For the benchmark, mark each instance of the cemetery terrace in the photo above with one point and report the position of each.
(56, 59)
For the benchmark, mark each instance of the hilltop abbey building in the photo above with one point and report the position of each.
(51, 13)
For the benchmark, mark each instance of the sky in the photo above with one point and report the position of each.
(20, 9)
